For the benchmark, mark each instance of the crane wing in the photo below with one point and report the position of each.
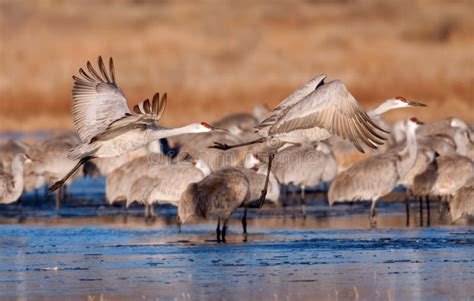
(97, 100)
(330, 106)
(146, 114)
(291, 100)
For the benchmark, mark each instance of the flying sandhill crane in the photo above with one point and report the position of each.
(106, 126)
(397, 102)
(463, 201)
(315, 112)
(164, 184)
(11, 184)
(219, 194)
(376, 176)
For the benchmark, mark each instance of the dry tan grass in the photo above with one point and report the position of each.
(219, 57)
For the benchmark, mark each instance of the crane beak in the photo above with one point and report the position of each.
(416, 104)
(31, 160)
(219, 129)
(419, 122)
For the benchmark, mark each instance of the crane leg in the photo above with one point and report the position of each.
(303, 202)
(407, 208)
(61, 182)
(224, 229)
(223, 146)
(420, 201)
(178, 223)
(218, 229)
(244, 221)
(427, 200)
(372, 215)
(264, 191)
(59, 196)
(124, 211)
(293, 201)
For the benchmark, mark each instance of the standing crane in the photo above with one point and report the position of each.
(11, 184)
(105, 124)
(376, 176)
(220, 194)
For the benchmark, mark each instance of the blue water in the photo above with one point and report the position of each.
(93, 251)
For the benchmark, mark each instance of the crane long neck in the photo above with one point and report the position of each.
(409, 154)
(17, 171)
(169, 132)
(384, 107)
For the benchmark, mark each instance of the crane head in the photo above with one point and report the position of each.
(207, 127)
(416, 121)
(403, 102)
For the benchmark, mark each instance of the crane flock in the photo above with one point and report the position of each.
(245, 160)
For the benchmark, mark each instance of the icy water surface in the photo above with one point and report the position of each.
(92, 252)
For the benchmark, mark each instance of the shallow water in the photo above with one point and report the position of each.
(93, 252)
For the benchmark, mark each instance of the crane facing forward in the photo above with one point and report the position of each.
(105, 124)
(314, 112)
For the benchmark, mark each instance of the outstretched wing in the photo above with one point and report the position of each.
(333, 108)
(291, 100)
(146, 114)
(154, 109)
(97, 100)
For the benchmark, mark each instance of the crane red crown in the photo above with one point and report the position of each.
(207, 125)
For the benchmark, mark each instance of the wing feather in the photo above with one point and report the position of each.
(96, 102)
(291, 100)
(333, 108)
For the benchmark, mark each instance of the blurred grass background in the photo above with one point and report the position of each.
(219, 57)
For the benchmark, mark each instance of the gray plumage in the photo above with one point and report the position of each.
(219, 194)
(164, 184)
(375, 176)
(11, 184)
(463, 202)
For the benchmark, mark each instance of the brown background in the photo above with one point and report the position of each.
(219, 57)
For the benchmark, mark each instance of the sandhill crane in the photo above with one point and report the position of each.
(345, 152)
(314, 112)
(11, 184)
(220, 194)
(305, 165)
(119, 181)
(448, 172)
(106, 126)
(452, 173)
(463, 201)
(164, 184)
(50, 162)
(9, 149)
(106, 166)
(376, 176)
(196, 147)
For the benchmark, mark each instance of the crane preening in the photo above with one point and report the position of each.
(105, 124)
